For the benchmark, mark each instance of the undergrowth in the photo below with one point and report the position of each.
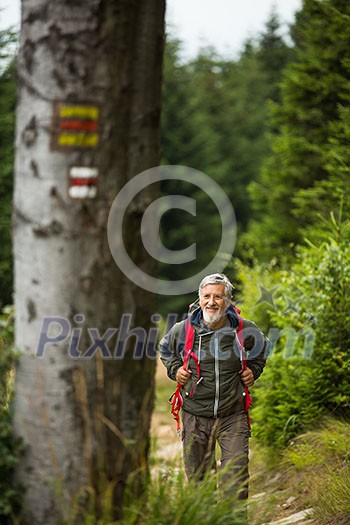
(321, 462)
(169, 500)
(10, 448)
(312, 472)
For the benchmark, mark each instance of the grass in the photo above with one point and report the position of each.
(313, 472)
(170, 500)
(322, 460)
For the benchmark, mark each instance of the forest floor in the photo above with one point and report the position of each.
(274, 498)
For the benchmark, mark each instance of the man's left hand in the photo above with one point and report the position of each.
(247, 377)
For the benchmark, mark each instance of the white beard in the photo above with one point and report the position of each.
(212, 318)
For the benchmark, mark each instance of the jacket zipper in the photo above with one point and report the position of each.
(199, 348)
(217, 375)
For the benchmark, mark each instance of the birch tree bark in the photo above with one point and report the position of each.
(89, 77)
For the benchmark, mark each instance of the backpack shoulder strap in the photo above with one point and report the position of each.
(175, 399)
(240, 337)
(189, 338)
(240, 326)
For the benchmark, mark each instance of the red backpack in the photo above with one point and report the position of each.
(176, 400)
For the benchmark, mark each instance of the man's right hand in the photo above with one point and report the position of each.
(182, 376)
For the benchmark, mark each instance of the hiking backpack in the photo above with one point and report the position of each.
(176, 400)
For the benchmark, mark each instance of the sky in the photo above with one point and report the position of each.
(223, 24)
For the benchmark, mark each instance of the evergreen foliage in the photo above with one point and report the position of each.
(215, 120)
(304, 182)
(310, 151)
(308, 372)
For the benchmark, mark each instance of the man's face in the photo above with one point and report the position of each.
(213, 303)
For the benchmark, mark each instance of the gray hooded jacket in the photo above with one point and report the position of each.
(220, 391)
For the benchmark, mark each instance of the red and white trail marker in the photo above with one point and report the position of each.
(82, 182)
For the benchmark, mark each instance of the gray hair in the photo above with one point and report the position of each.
(217, 278)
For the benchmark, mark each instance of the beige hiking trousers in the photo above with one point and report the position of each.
(199, 437)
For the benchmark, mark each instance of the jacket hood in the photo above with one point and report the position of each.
(196, 315)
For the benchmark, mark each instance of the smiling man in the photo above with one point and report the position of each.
(214, 381)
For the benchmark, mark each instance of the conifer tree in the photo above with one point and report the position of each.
(215, 120)
(310, 123)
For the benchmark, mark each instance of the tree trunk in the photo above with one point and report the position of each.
(89, 77)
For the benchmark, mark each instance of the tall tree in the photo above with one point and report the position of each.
(311, 125)
(89, 76)
(215, 120)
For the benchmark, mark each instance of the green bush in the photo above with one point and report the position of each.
(10, 448)
(308, 373)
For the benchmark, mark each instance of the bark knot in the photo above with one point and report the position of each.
(35, 169)
(47, 230)
(31, 308)
(30, 132)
